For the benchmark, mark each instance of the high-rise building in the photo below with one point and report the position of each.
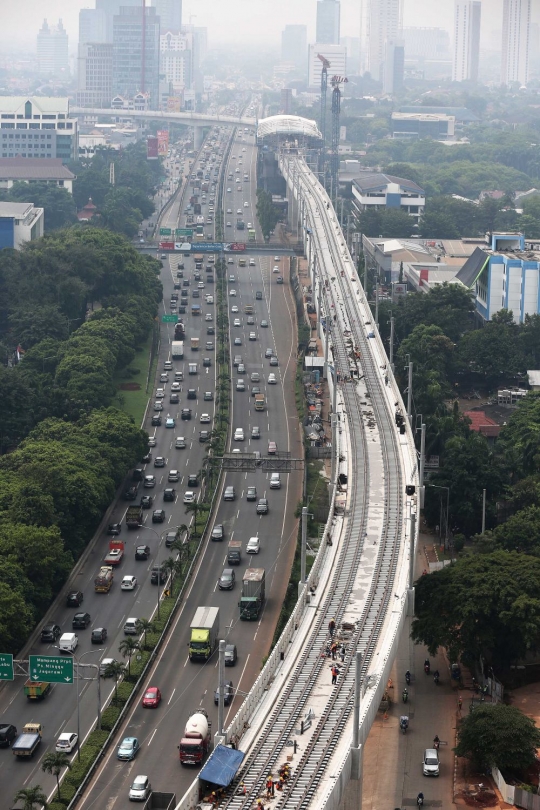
(336, 55)
(110, 8)
(135, 71)
(294, 45)
(169, 13)
(467, 16)
(515, 41)
(353, 54)
(95, 71)
(383, 21)
(394, 66)
(92, 26)
(328, 12)
(176, 53)
(426, 43)
(52, 49)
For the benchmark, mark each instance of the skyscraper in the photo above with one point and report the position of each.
(467, 16)
(515, 41)
(92, 26)
(109, 8)
(394, 66)
(52, 49)
(169, 13)
(94, 82)
(133, 71)
(294, 44)
(383, 21)
(328, 12)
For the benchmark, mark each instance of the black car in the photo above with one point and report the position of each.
(99, 635)
(174, 398)
(186, 413)
(142, 552)
(74, 598)
(210, 330)
(262, 506)
(169, 494)
(192, 393)
(204, 435)
(81, 621)
(158, 516)
(137, 474)
(114, 528)
(176, 285)
(156, 420)
(147, 501)
(131, 492)
(206, 362)
(230, 655)
(8, 733)
(181, 309)
(193, 480)
(218, 532)
(170, 538)
(228, 693)
(50, 632)
(227, 580)
(158, 573)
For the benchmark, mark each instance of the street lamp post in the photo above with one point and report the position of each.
(160, 537)
(447, 510)
(78, 659)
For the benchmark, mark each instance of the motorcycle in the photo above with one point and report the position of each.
(408, 678)
(405, 695)
(427, 666)
(436, 743)
(436, 677)
(420, 800)
(404, 723)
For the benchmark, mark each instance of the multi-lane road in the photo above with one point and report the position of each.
(187, 685)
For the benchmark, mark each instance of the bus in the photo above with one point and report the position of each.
(199, 230)
(251, 235)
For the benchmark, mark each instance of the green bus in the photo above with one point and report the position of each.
(251, 235)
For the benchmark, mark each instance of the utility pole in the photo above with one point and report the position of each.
(392, 324)
(409, 394)
(483, 511)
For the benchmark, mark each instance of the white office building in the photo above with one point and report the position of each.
(383, 24)
(176, 59)
(515, 41)
(328, 14)
(19, 223)
(466, 40)
(52, 49)
(336, 55)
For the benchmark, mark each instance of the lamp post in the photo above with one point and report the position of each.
(78, 659)
(160, 537)
(447, 510)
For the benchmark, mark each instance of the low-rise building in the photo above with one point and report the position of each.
(35, 170)
(379, 190)
(438, 126)
(19, 223)
(37, 127)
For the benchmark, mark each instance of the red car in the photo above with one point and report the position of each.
(152, 697)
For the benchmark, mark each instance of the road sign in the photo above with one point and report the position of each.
(6, 667)
(51, 668)
(184, 232)
(164, 231)
(169, 319)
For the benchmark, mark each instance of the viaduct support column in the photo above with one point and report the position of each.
(197, 138)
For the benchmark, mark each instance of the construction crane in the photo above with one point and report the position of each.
(335, 81)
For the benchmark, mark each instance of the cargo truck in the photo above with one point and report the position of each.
(194, 342)
(252, 597)
(234, 552)
(28, 740)
(36, 690)
(116, 553)
(259, 402)
(134, 517)
(104, 580)
(177, 349)
(204, 633)
(179, 330)
(160, 801)
(195, 743)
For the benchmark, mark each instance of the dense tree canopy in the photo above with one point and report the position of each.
(499, 735)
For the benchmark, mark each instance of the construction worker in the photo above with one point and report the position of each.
(279, 785)
(335, 673)
(333, 650)
(331, 626)
(269, 787)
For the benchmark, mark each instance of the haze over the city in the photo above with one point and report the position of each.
(247, 21)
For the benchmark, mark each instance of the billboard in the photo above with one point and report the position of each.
(234, 247)
(163, 142)
(166, 245)
(151, 147)
(204, 247)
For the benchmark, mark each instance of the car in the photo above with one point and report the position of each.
(264, 324)
(239, 435)
(160, 393)
(81, 621)
(159, 461)
(229, 190)
(251, 261)
(272, 380)
(246, 204)
(208, 396)
(229, 494)
(170, 538)
(196, 294)
(209, 317)
(274, 361)
(251, 494)
(186, 413)
(152, 698)
(163, 256)
(237, 360)
(167, 365)
(240, 385)
(232, 293)
(255, 377)
(140, 789)
(176, 386)
(128, 748)
(206, 362)
(268, 353)
(252, 336)
(66, 742)
(210, 330)
(142, 552)
(275, 269)
(169, 494)
(218, 532)
(238, 210)
(50, 632)
(99, 635)
(131, 627)
(227, 580)
(158, 575)
(255, 389)
(170, 422)
(158, 406)
(180, 443)
(149, 481)
(236, 322)
(262, 506)
(229, 210)
(234, 309)
(147, 501)
(114, 529)
(255, 433)
(74, 598)
(129, 583)
(231, 655)
(241, 368)
(178, 376)
(204, 435)
(189, 497)
(253, 546)
(272, 448)
(228, 693)
(238, 341)
(174, 398)
(232, 278)
(229, 260)
(173, 476)
(279, 280)
(156, 422)
(205, 418)
(276, 258)
(152, 441)
(8, 733)
(250, 320)
(164, 377)
(158, 516)
(192, 393)
(430, 762)
(131, 492)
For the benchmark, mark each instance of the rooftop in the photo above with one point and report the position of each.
(378, 180)
(47, 104)
(19, 168)
(16, 210)
(483, 424)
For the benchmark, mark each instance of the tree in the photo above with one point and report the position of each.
(58, 203)
(482, 606)
(53, 762)
(519, 440)
(499, 735)
(195, 508)
(521, 532)
(115, 670)
(144, 626)
(128, 647)
(30, 797)
(492, 353)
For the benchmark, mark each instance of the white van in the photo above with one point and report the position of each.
(275, 481)
(68, 642)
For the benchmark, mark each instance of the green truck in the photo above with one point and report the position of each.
(252, 597)
(36, 690)
(204, 633)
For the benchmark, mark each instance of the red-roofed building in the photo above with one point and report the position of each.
(86, 213)
(483, 424)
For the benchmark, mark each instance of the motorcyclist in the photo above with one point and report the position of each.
(436, 676)
(405, 695)
(403, 723)
(436, 741)
(420, 799)
(427, 666)
(408, 677)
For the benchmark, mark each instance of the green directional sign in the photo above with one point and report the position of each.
(164, 231)
(6, 667)
(169, 319)
(186, 233)
(51, 668)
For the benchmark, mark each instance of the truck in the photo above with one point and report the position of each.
(240, 224)
(197, 209)
(28, 740)
(160, 801)
(36, 690)
(179, 330)
(252, 596)
(195, 743)
(251, 235)
(204, 633)
(116, 553)
(194, 343)
(104, 580)
(177, 349)
(259, 402)
(134, 517)
(234, 552)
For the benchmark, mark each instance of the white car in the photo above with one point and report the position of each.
(209, 299)
(176, 386)
(251, 261)
(128, 583)
(234, 309)
(160, 393)
(152, 441)
(240, 385)
(253, 546)
(66, 742)
(239, 435)
(229, 225)
(275, 269)
(140, 790)
(236, 322)
(208, 316)
(232, 278)
(229, 210)
(205, 418)
(180, 443)
(246, 205)
(272, 379)
(189, 497)
(252, 336)
(276, 258)
(232, 293)
(238, 210)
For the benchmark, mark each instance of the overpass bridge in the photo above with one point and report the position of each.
(363, 573)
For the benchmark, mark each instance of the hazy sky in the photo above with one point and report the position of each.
(232, 20)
